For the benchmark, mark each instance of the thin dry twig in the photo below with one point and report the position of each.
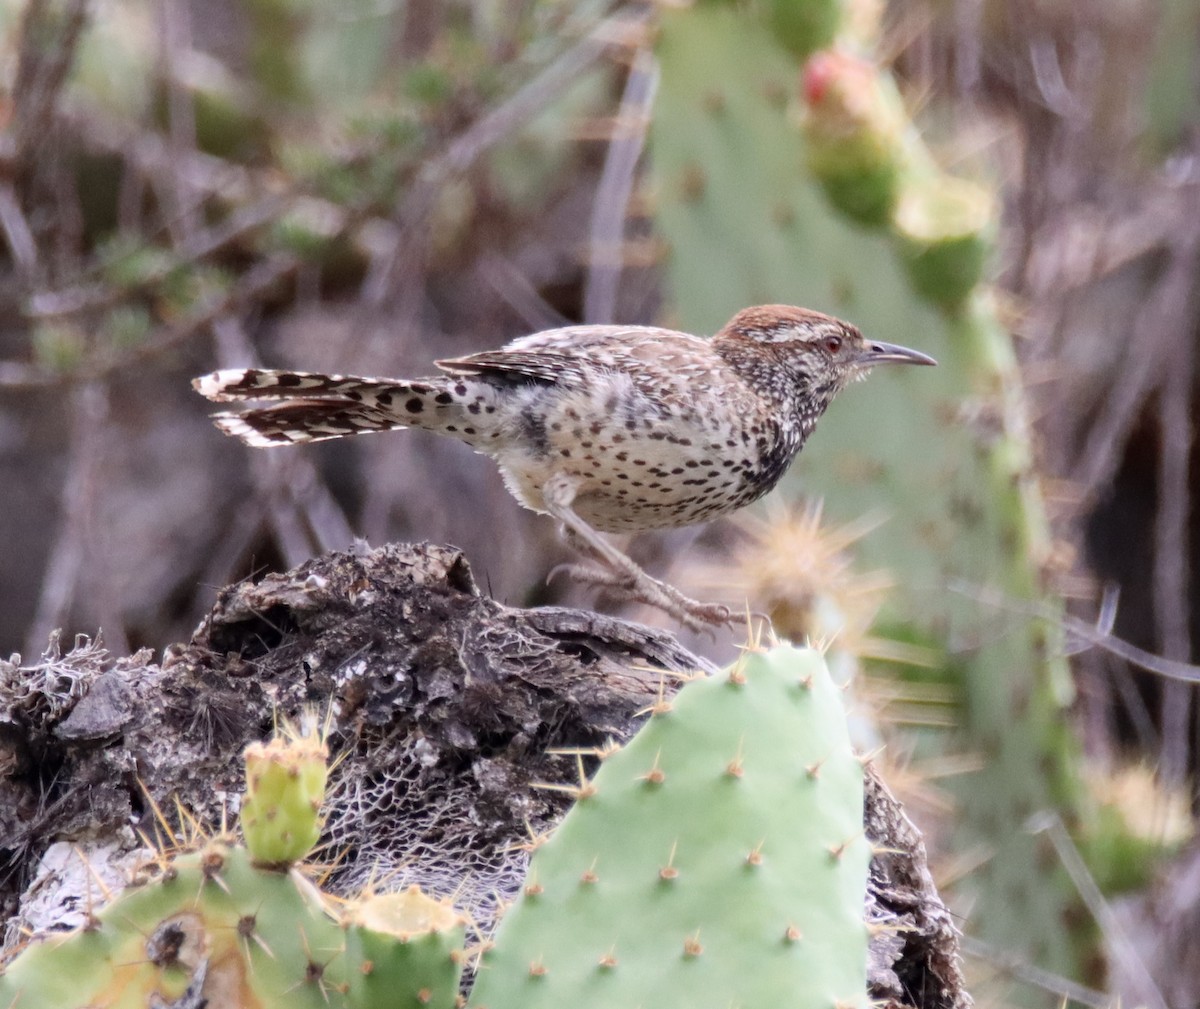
(1150, 355)
(1098, 637)
(1147, 992)
(49, 40)
(605, 247)
(17, 234)
(1063, 987)
(75, 535)
(519, 294)
(1171, 548)
(174, 40)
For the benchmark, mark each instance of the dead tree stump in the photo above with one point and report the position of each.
(446, 708)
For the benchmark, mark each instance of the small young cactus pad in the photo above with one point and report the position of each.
(285, 785)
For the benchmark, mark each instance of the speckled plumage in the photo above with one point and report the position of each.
(624, 427)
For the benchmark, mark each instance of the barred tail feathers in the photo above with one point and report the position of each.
(321, 406)
(304, 421)
(261, 383)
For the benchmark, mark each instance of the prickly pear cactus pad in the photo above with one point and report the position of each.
(228, 934)
(854, 129)
(285, 784)
(940, 460)
(213, 922)
(227, 927)
(718, 859)
(413, 944)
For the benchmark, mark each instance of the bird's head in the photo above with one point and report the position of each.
(795, 352)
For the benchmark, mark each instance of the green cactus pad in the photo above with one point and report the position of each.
(716, 860)
(854, 128)
(944, 227)
(804, 26)
(941, 453)
(264, 935)
(233, 933)
(230, 927)
(410, 948)
(285, 785)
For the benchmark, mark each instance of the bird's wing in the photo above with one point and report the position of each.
(548, 367)
(556, 356)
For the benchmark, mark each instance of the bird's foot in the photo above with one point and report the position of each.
(637, 586)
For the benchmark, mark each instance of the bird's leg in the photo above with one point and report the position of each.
(626, 580)
(617, 572)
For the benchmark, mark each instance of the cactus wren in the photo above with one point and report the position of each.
(609, 428)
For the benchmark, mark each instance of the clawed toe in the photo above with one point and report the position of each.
(708, 617)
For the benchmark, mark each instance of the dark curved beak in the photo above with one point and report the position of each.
(877, 352)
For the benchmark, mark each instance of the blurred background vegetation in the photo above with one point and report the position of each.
(1000, 552)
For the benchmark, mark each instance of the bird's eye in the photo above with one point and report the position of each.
(832, 344)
